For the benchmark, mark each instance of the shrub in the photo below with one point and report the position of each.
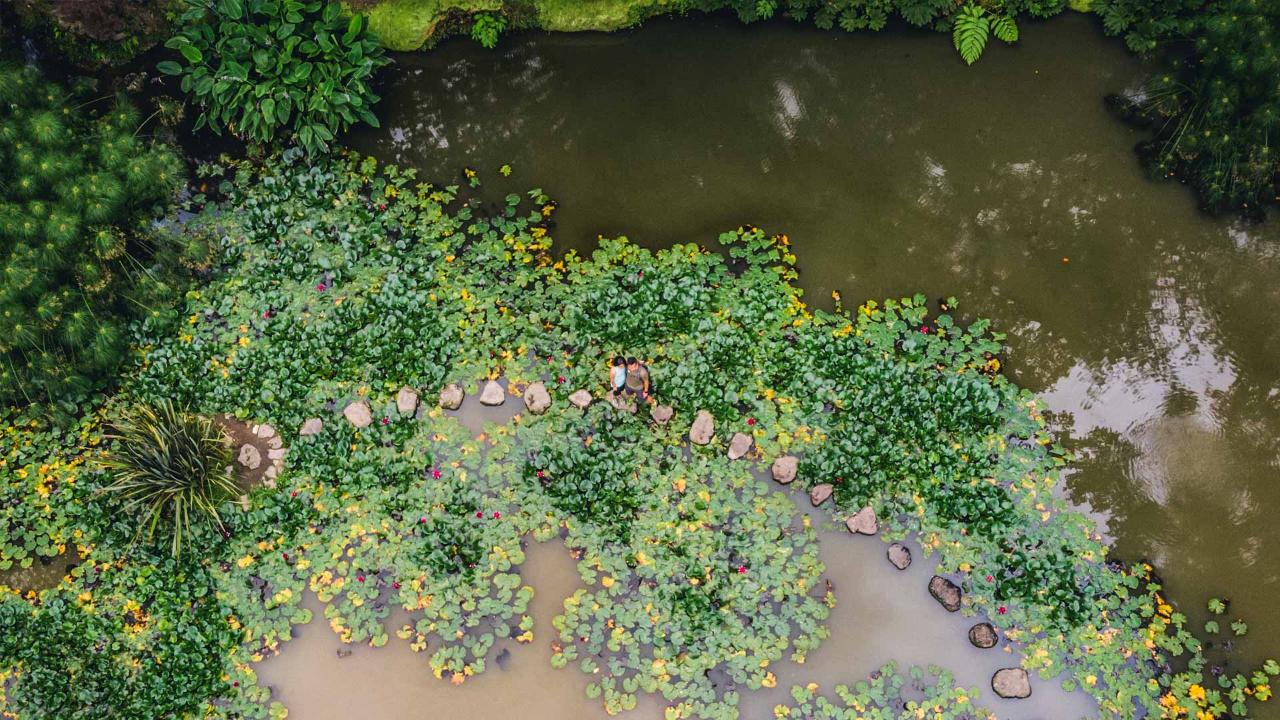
(264, 70)
(78, 255)
(170, 466)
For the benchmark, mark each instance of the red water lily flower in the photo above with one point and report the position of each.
(320, 287)
(396, 585)
(266, 314)
(422, 520)
(360, 578)
(541, 474)
(496, 514)
(990, 578)
(480, 514)
(1002, 609)
(560, 379)
(435, 473)
(924, 329)
(751, 421)
(386, 421)
(742, 569)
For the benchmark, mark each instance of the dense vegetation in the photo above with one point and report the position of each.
(80, 253)
(339, 282)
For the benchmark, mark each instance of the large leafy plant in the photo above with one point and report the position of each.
(264, 70)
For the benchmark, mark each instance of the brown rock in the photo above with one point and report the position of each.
(662, 414)
(703, 428)
(899, 555)
(312, 426)
(740, 445)
(451, 396)
(784, 469)
(250, 457)
(537, 399)
(818, 494)
(581, 399)
(406, 401)
(863, 522)
(983, 635)
(358, 414)
(492, 394)
(1011, 683)
(945, 592)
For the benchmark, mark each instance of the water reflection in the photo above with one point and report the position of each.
(895, 168)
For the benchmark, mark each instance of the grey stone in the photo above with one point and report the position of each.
(1011, 683)
(312, 426)
(863, 522)
(492, 394)
(983, 635)
(662, 414)
(537, 399)
(818, 494)
(620, 403)
(358, 414)
(275, 442)
(406, 401)
(899, 555)
(581, 399)
(250, 457)
(740, 445)
(451, 396)
(703, 428)
(272, 472)
(276, 453)
(265, 431)
(946, 593)
(784, 469)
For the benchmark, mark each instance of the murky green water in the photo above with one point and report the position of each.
(1149, 328)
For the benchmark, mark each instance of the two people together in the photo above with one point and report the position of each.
(630, 377)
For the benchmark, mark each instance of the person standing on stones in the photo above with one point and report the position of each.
(618, 375)
(637, 381)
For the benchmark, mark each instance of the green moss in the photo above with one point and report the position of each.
(574, 15)
(409, 24)
(1080, 5)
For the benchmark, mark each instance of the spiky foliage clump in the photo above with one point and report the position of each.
(78, 257)
(169, 467)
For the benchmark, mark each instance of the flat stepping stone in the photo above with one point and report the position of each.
(451, 396)
(264, 431)
(662, 414)
(863, 522)
(899, 556)
(493, 394)
(620, 403)
(358, 414)
(1011, 683)
(703, 428)
(947, 593)
(784, 469)
(740, 445)
(983, 635)
(250, 457)
(312, 426)
(819, 494)
(406, 401)
(537, 399)
(581, 399)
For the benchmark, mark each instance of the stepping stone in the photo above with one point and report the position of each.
(819, 493)
(740, 445)
(662, 414)
(863, 522)
(406, 401)
(493, 394)
(272, 472)
(1011, 683)
(983, 635)
(250, 457)
(358, 414)
(703, 428)
(275, 442)
(899, 555)
(947, 593)
(312, 426)
(451, 396)
(581, 399)
(620, 403)
(784, 469)
(264, 431)
(276, 453)
(537, 399)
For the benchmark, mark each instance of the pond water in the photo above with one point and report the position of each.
(1148, 327)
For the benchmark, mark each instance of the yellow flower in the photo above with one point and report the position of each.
(1196, 692)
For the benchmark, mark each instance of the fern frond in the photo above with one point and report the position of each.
(1005, 28)
(970, 32)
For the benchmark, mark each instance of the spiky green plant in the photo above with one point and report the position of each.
(169, 467)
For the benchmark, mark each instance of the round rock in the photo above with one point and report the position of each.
(661, 414)
(740, 445)
(1011, 683)
(703, 428)
(451, 396)
(537, 399)
(406, 401)
(580, 399)
(250, 457)
(492, 394)
(784, 469)
(945, 592)
(983, 635)
(863, 522)
(899, 555)
(358, 414)
(818, 494)
(312, 426)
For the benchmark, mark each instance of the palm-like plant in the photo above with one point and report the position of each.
(170, 466)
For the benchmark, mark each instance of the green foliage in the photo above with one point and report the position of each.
(889, 695)
(1214, 107)
(266, 70)
(970, 32)
(487, 28)
(78, 256)
(97, 31)
(170, 466)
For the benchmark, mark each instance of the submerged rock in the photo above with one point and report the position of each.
(537, 399)
(899, 555)
(740, 445)
(581, 399)
(863, 522)
(503, 659)
(250, 457)
(662, 414)
(358, 414)
(451, 396)
(703, 428)
(344, 652)
(1011, 683)
(983, 635)
(493, 394)
(406, 400)
(945, 592)
(784, 469)
(312, 426)
(818, 494)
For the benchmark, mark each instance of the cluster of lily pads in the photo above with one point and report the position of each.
(343, 282)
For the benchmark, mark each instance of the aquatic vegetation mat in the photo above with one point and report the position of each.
(347, 296)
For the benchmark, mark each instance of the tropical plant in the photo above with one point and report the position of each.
(97, 31)
(265, 70)
(972, 26)
(79, 256)
(170, 466)
(487, 28)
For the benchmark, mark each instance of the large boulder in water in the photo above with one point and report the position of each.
(1011, 683)
(983, 635)
(492, 394)
(703, 428)
(946, 593)
(740, 445)
(863, 522)
(819, 494)
(451, 396)
(784, 469)
(899, 555)
(537, 399)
